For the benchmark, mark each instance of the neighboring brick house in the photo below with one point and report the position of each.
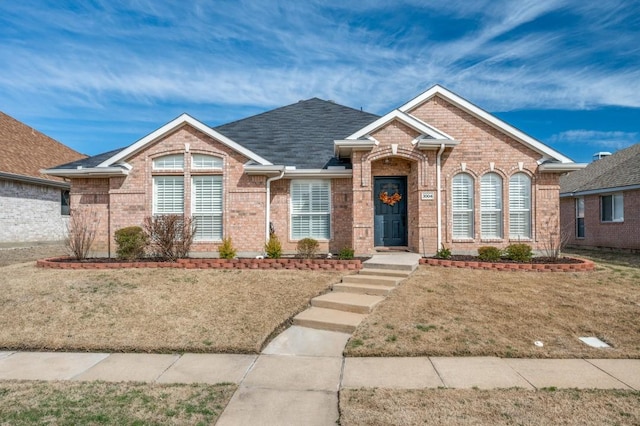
(34, 206)
(600, 205)
(438, 170)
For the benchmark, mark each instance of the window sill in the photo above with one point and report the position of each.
(520, 240)
(463, 240)
(491, 240)
(610, 222)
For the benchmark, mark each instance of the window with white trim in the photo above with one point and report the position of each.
(580, 217)
(168, 195)
(462, 198)
(169, 162)
(491, 206)
(310, 209)
(206, 210)
(205, 162)
(519, 206)
(612, 208)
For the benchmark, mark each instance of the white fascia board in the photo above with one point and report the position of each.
(175, 124)
(407, 119)
(260, 170)
(560, 167)
(35, 180)
(600, 191)
(319, 173)
(483, 115)
(427, 144)
(88, 172)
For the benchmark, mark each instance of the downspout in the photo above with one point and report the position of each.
(439, 189)
(268, 204)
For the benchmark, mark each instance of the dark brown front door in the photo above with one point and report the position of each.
(390, 220)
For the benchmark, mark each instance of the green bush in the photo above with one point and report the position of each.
(131, 242)
(519, 252)
(489, 253)
(273, 248)
(307, 248)
(226, 249)
(443, 253)
(346, 253)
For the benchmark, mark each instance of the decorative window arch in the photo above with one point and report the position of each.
(519, 206)
(205, 162)
(462, 206)
(169, 162)
(491, 206)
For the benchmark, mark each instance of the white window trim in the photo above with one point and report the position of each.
(620, 196)
(526, 211)
(470, 212)
(194, 166)
(214, 214)
(164, 157)
(495, 210)
(155, 193)
(329, 213)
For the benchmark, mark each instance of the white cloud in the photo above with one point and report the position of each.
(610, 140)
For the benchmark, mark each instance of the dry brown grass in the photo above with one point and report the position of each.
(154, 310)
(495, 407)
(11, 256)
(70, 403)
(445, 311)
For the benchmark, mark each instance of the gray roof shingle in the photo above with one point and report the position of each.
(89, 162)
(299, 134)
(618, 170)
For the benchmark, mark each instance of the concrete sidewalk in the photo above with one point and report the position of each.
(297, 377)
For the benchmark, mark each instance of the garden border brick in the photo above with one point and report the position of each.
(585, 266)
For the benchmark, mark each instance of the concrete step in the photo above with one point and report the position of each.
(374, 290)
(348, 302)
(398, 262)
(328, 319)
(371, 280)
(384, 272)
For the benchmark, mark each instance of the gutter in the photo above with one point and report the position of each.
(268, 203)
(610, 190)
(88, 172)
(439, 189)
(35, 180)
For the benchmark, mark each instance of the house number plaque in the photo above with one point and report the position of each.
(428, 196)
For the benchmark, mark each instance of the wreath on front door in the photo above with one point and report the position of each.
(389, 199)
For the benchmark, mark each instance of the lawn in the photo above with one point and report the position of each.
(28, 403)
(495, 407)
(460, 312)
(150, 310)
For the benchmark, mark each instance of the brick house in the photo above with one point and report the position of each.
(600, 205)
(436, 171)
(34, 207)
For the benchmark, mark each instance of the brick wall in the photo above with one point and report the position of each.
(617, 235)
(30, 213)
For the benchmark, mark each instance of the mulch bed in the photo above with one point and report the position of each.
(538, 264)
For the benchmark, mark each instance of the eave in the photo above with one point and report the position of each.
(292, 172)
(600, 191)
(35, 180)
(88, 172)
(560, 167)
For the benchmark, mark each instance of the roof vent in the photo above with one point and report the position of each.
(600, 155)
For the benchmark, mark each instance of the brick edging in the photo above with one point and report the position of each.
(300, 264)
(585, 266)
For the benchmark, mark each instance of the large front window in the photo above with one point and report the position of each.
(520, 206)
(168, 194)
(491, 206)
(206, 198)
(462, 190)
(310, 209)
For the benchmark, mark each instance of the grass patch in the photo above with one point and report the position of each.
(27, 403)
(464, 312)
(150, 310)
(493, 407)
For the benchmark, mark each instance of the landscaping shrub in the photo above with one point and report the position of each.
(346, 253)
(519, 252)
(81, 231)
(273, 247)
(226, 249)
(443, 253)
(131, 242)
(170, 235)
(489, 253)
(307, 248)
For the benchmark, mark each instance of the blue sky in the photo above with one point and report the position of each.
(100, 74)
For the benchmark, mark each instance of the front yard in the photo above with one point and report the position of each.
(150, 310)
(460, 312)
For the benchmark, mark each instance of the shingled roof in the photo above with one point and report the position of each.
(299, 134)
(25, 150)
(617, 171)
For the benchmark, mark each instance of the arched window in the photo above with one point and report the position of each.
(491, 206)
(462, 197)
(519, 206)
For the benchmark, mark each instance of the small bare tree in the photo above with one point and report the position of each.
(171, 235)
(81, 232)
(555, 238)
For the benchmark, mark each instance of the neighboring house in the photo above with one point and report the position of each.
(600, 205)
(436, 171)
(34, 206)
